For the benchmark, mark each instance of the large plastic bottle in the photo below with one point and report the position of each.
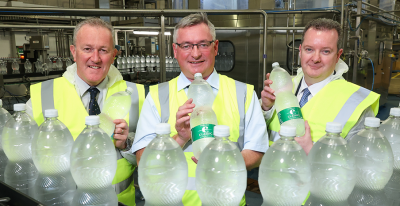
(93, 166)
(4, 117)
(28, 66)
(115, 107)
(203, 118)
(17, 136)
(374, 165)
(286, 103)
(15, 67)
(332, 169)
(390, 128)
(284, 174)
(51, 152)
(163, 170)
(221, 176)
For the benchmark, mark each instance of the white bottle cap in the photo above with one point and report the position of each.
(19, 107)
(288, 131)
(92, 120)
(372, 122)
(198, 75)
(1, 103)
(130, 90)
(333, 127)
(50, 113)
(221, 131)
(163, 128)
(275, 64)
(395, 111)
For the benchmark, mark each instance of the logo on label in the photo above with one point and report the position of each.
(202, 131)
(289, 114)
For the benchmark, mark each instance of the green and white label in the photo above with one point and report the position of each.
(289, 114)
(202, 131)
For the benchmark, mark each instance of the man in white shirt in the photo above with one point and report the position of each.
(322, 92)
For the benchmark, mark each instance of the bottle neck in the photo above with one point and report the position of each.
(129, 92)
(221, 138)
(51, 118)
(332, 134)
(371, 128)
(162, 135)
(92, 126)
(395, 117)
(287, 138)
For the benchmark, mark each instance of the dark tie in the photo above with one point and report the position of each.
(94, 108)
(304, 98)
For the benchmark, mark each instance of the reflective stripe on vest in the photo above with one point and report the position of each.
(230, 110)
(338, 101)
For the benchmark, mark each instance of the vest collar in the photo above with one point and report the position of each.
(184, 82)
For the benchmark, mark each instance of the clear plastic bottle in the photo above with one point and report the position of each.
(93, 165)
(284, 175)
(163, 168)
(59, 64)
(68, 62)
(15, 67)
(332, 169)
(221, 174)
(390, 128)
(21, 175)
(28, 66)
(286, 103)
(49, 63)
(201, 92)
(115, 107)
(38, 65)
(4, 117)
(374, 165)
(3, 67)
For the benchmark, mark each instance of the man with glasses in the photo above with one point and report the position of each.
(236, 105)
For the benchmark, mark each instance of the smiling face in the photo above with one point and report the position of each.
(319, 54)
(195, 60)
(93, 53)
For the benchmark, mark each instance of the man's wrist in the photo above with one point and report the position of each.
(128, 144)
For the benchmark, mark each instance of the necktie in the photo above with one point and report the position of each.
(304, 98)
(94, 108)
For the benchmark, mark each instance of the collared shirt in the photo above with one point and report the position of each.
(314, 89)
(255, 136)
(82, 87)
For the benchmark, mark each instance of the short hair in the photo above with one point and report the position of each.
(323, 24)
(193, 20)
(95, 22)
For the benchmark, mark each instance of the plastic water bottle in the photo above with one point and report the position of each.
(28, 66)
(203, 118)
(4, 117)
(38, 65)
(163, 170)
(332, 169)
(93, 166)
(390, 128)
(221, 176)
(284, 174)
(117, 106)
(68, 62)
(59, 63)
(286, 103)
(15, 67)
(374, 165)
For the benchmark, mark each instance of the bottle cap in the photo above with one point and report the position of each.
(130, 90)
(1, 102)
(372, 122)
(333, 127)
(221, 131)
(288, 131)
(163, 128)
(50, 113)
(275, 64)
(92, 120)
(395, 111)
(198, 75)
(19, 107)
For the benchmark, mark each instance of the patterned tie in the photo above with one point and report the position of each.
(94, 108)
(304, 98)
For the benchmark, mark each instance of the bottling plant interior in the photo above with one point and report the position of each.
(96, 107)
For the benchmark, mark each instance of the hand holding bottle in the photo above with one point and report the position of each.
(120, 133)
(267, 95)
(182, 124)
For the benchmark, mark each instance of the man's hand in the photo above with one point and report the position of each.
(305, 141)
(182, 124)
(267, 95)
(120, 133)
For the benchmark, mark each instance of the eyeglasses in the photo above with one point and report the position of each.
(201, 46)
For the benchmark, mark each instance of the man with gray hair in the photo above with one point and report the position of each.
(323, 94)
(236, 105)
(82, 91)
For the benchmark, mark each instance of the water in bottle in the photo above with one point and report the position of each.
(4, 117)
(221, 176)
(93, 165)
(286, 103)
(68, 62)
(59, 64)
(3, 67)
(390, 128)
(15, 67)
(332, 169)
(163, 168)
(374, 165)
(284, 174)
(115, 107)
(28, 66)
(201, 92)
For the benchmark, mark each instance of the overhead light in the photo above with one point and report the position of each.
(150, 33)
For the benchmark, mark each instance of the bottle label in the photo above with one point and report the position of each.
(289, 114)
(203, 131)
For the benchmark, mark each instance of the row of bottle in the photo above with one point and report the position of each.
(149, 61)
(224, 61)
(51, 64)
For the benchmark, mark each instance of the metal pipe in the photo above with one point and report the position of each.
(265, 45)
(3, 26)
(341, 14)
(294, 25)
(355, 61)
(161, 42)
(126, 43)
